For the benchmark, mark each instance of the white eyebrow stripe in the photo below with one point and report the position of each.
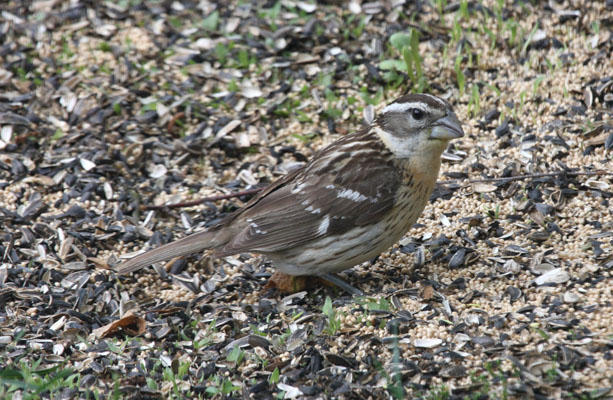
(404, 107)
(437, 99)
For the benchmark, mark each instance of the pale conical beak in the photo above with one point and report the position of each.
(447, 128)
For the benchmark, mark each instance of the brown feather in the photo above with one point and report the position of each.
(188, 245)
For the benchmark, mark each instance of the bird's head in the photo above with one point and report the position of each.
(418, 125)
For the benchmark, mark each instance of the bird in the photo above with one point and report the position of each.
(352, 201)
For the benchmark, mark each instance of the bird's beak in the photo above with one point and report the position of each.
(447, 128)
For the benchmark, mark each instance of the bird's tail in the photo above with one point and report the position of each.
(194, 243)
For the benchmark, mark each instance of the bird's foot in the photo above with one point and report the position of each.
(292, 284)
(336, 280)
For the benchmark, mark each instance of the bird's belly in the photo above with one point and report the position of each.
(333, 253)
(339, 252)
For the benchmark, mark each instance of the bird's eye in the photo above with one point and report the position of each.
(417, 114)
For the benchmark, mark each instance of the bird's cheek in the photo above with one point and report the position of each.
(411, 145)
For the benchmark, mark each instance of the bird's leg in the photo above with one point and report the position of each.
(335, 279)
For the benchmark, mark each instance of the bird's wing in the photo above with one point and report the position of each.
(316, 204)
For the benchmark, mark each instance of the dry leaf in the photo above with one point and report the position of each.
(132, 324)
(427, 292)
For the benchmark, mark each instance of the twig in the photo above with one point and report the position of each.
(527, 176)
(203, 200)
(446, 182)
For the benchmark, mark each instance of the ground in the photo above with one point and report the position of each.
(110, 109)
